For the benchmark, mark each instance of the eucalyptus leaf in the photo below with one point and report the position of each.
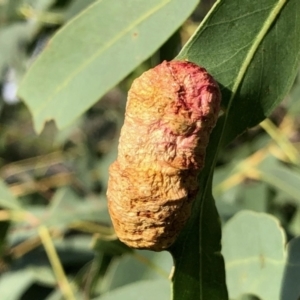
(248, 297)
(75, 7)
(14, 36)
(67, 207)
(43, 275)
(252, 50)
(142, 290)
(199, 266)
(253, 248)
(255, 62)
(7, 199)
(39, 5)
(93, 52)
(281, 177)
(294, 225)
(146, 265)
(291, 279)
(257, 260)
(57, 295)
(294, 103)
(11, 39)
(14, 284)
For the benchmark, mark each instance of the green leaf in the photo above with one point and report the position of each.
(255, 62)
(39, 5)
(294, 225)
(293, 105)
(199, 266)
(57, 295)
(281, 177)
(15, 35)
(14, 284)
(252, 50)
(76, 7)
(248, 297)
(7, 200)
(43, 275)
(10, 39)
(142, 290)
(250, 195)
(255, 255)
(146, 265)
(10, 10)
(93, 52)
(291, 281)
(111, 247)
(67, 207)
(253, 248)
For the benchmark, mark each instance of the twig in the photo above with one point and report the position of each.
(58, 270)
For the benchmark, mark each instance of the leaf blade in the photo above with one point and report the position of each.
(234, 59)
(254, 251)
(252, 83)
(88, 73)
(201, 244)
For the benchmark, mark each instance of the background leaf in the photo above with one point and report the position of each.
(14, 36)
(144, 290)
(67, 207)
(93, 52)
(255, 254)
(13, 284)
(7, 200)
(253, 248)
(290, 285)
(281, 177)
(161, 264)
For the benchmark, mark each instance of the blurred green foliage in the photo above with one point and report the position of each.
(56, 240)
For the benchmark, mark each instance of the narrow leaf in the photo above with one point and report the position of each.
(144, 290)
(255, 62)
(281, 177)
(14, 284)
(290, 288)
(252, 50)
(7, 200)
(199, 266)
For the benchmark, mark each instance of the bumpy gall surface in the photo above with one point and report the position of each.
(170, 113)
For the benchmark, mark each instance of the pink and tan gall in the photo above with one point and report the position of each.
(170, 113)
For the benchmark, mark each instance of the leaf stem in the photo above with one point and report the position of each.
(58, 270)
(287, 147)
